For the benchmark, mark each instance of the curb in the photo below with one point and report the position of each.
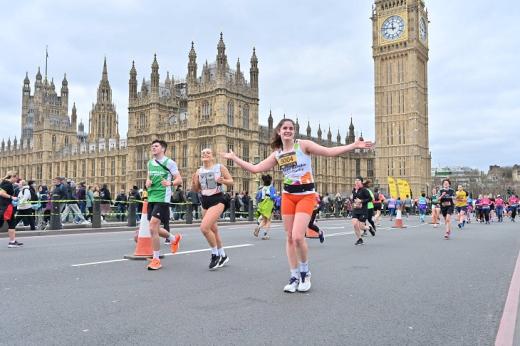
(116, 228)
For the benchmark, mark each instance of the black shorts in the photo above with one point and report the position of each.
(211, 201)
(377, 206)
(446, 210)
(11, 223)
(160, 210)
(459, 209)
(361, 216)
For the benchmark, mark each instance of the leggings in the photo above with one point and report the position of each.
(513, 213)
(312, 225)
(370, 214)
(486, 211)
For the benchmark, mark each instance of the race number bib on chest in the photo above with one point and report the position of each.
(287, 160)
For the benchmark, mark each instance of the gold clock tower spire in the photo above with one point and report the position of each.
(400, 52)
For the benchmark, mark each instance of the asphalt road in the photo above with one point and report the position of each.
(404, 287)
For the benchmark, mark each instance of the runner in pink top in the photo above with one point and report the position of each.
(499, 207)
(485, 202)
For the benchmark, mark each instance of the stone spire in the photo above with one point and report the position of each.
(338, 138)
(270, 121)
(154, 77)
(329, 135)
(319, 131)
(192, 64)
(308, 129)
(132, 84)
(104, 93)
(221, 56)
(351, 137)
(253, 71)
(297, 127)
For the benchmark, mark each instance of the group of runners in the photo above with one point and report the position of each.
(298, 207)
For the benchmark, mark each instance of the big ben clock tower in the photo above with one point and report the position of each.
(400, 52)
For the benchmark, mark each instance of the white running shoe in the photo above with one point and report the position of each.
(292, 285)
(305, 282)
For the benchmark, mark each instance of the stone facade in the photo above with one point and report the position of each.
(216, 109)
(400, 52)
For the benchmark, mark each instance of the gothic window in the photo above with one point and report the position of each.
(113, 166)
(358, 167)
(245, 151)
(123, 165)
(245, 117)
(53, 142)
(245, 185)
(230, 163)
(83, 169)
(230, 114)
(75, 169)
(102, 173)
(370, 168)
(93, 168)
(184, 155)
(206, 111)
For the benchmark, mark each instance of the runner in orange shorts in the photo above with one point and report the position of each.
(298, 197)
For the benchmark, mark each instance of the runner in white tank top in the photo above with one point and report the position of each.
(208, 180)
(298, 199)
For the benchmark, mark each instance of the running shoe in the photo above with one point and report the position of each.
(256, 231)
(459, 225)
(175, 244)
(292, 285)
(155, 264)
(372, 231)
(13, 244)
(305, 282)
(464, 223)
(447, 235)
(265, 237)
(223, 261)
(322, 237)
(215, 260)
(167, 241)
(359, 242)
(364, 234)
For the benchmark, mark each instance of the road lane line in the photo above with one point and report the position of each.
(167, 254)
(506, 329)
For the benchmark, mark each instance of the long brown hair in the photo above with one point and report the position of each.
(276, 140)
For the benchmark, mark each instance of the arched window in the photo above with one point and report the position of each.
(53, 142)
(206, 110)
(230, 114)
(245, 117)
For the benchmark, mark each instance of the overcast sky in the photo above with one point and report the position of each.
(314, 58)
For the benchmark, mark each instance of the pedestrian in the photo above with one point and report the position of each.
(360, 197)
(177, 201)
(298, 198)
(312, 223)
(162, 176)
(194, 198)
(446, 197)
(7, 201)
(499, 205)
(370, 211)
(89, 202)
(379, 199)
(265, 204)
(208, 179)
(422, 204)
(121, 202)
(513, 205)
(27, 197)
(407, 205)
(436, 208)
(391, 207)
(105, 200)
(461, 204)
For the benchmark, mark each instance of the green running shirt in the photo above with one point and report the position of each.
(156, 173)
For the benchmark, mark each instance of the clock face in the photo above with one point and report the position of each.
(392, 28)
(423, 31)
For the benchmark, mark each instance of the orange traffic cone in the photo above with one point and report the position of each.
(399, 220)
(143, 247)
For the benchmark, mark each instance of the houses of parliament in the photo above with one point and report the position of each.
(218, 108)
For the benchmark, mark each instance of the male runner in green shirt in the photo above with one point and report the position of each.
(163, 174)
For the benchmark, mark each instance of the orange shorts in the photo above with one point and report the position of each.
(292, 203)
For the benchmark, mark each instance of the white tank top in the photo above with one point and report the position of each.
(296, 167)
(208, 180)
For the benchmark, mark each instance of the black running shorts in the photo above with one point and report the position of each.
(159, 210)
(213, 200)
(446, 210)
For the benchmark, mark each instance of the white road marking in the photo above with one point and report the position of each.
(167, 254)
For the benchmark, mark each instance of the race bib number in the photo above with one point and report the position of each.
(446, 204)
(357, 205)
(287, 160)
